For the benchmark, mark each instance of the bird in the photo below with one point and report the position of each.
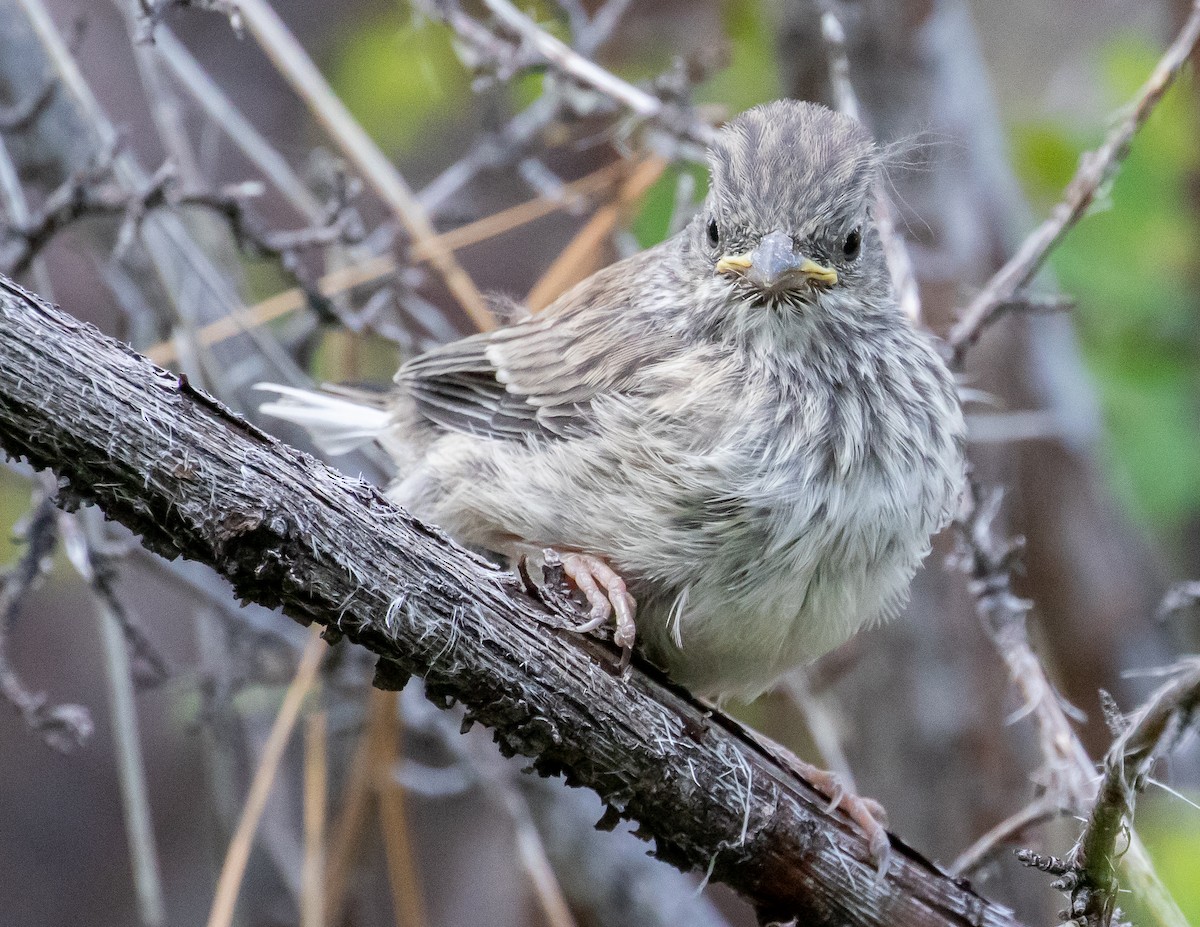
(735, 442)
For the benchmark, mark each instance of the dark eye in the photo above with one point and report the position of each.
(714, 233)
(852, 245)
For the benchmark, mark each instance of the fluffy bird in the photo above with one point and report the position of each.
(735, 441)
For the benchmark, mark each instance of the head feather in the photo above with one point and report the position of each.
(796, 166)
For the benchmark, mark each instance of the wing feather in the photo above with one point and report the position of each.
(538, 378)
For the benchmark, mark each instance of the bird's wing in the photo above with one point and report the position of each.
(537, 379)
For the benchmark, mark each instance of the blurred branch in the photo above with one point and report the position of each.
(274, 307)
(1096, 169)
(346, 837)
(89, 194)
(192, 78)
(86, 544)
(316, 766)
(18, 115)
(904, 279)
(60, 726)
(286, 530)
(583, 255)
(343, 129)
(376, 269)
(513, 42)
(1179, 597)
(407, 902)
(154, 12)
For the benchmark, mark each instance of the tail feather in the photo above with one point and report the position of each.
(338, 425)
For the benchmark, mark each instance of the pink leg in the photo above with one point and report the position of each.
(866, 813)
(606, 595)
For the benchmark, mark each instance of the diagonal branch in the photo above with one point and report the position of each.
(1096, 168)
(198, 481)
(1091, 875)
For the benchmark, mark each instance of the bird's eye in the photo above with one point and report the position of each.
(714, 233)
(852, 245)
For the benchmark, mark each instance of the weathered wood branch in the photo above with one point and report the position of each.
(194, 479)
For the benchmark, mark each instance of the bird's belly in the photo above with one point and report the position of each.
(825, 568)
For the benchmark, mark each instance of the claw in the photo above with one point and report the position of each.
(607, 597)
(867, 813)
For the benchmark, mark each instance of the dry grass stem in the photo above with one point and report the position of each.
(234, 868)
(585, 253)
(316, 766)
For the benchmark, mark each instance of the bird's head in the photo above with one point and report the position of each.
(787, 218)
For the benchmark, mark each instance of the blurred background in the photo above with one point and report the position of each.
(1090, 421)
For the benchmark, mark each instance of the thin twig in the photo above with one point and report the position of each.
(1091, 879)
(990, 562)
(569, 61)
(532, 853)
(377, 269)
(535, 45)
(84, 544)
(65, 726)
(195, 80)
(346, 838)
(277, 306)
(18, 115)
(513, 217)
(1096, 169)
(234, 867)
(1179, 597)
(1041, 809)
(343, 129)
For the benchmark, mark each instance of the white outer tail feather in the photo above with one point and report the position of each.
(337, 425)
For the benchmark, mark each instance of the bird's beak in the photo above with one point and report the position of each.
(775, 262)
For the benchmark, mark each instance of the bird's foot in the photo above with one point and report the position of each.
(867, 813)
(606, 595)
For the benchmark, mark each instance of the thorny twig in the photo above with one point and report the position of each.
(1069, 773)
(93, 193)
(1041, 809)
(153, 12)
(62, 727)
(1090, 876)
(1096, 169)
(990, 561)
(513, 42)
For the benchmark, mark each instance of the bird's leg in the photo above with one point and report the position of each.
(866, 813)
(604, 591)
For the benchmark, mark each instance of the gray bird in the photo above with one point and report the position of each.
(734, 439)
